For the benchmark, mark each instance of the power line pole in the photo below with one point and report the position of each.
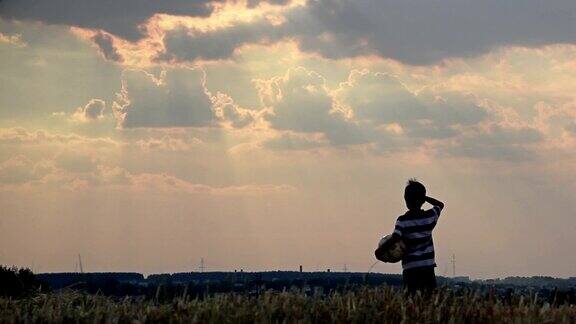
(202, 267)
(453, 265)
(80, 263)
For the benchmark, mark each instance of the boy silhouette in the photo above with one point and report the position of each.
(415, 229)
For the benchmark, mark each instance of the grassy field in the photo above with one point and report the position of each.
(382, 305)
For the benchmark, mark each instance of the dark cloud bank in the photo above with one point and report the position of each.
(121, 18)
(414, 32)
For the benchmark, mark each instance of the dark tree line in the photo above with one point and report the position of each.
(18, 282)
(21, 282)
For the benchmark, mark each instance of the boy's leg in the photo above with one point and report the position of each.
(422, 279)
(410, 280)
(429, 279)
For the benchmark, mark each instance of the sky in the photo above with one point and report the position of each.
(264, 135)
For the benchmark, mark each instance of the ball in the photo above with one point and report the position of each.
(392, 253)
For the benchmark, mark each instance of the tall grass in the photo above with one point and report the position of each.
(382, 305)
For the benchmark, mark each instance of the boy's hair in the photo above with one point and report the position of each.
(414, 193)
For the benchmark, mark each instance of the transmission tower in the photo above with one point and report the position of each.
(453, 265)
(80, 263)
(202, 266)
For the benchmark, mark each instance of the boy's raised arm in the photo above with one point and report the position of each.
(434, 202)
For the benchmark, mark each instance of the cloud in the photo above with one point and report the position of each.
(93, 110)
(514, 144)
(74, 161)
(19, 169)
(106, 45)
(294, 142)
(369, 108)
(21, 173)
(424, 32)
(232, 114)
(164, 182)
(380, 113)
(381, 99)
(254, 3)
(168, 143)
(55, 72)
(19, 136)
(15, 39)
(301, 102)
(178, 98)
(415, 32)
(185, 44)
(122, 18)
(571, 128)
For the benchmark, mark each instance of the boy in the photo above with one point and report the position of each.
(415, 229)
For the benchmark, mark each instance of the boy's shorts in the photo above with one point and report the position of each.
(421, 278)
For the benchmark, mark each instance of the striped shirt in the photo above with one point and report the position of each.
(415, 228)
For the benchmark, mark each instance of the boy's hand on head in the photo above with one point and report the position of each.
(434, 202)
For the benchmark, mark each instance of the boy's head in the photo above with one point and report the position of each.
(414, 194)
